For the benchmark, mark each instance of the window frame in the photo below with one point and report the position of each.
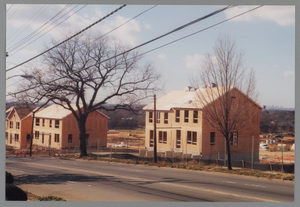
(189, 137)
(17, 137)
(37, 134)
(11, 124)
(57, 124)
(166, 117)
(194, 138)
(160, 137)
(150, 117)
(212, 138)
(70, 137)
(178, 138)
(157, 117)
(56, 138)
(195, 119)
(37, 121)
(50, 123)
(186, 116)
(151, 138)
(177, 116)
(17, 125)
(165, 137)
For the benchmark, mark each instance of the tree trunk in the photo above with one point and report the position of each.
(82, 137)
(228, 152)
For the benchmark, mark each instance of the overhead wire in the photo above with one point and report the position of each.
(14, 12)
(154, 48)
(9, 8)
(118, 26)
(175, 30)
(69, 37)
(19, 33)
(37, 31)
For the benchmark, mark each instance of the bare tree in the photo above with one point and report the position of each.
(89, 74)
(221, 80)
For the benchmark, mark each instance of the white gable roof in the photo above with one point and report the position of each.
(188, 99)
(57, 112)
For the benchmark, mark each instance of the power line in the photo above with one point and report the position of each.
(175, 30)
(36, 32)
(112, 29)
(9, 8)
(17, 32)
(14, 12)
(49, 29)
(68, 38)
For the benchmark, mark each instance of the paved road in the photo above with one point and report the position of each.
(101, 181)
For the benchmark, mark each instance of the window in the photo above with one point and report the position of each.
(28, 138)
(160, 137)
(189, 137)
(69, 138)
(50, 123)
(212, 138)
(150, 117)
(234, 138)
(11, 124)
(195, 117)
(6, 135)
(43, 138)
(157, 117)
(37, 122)
(56, 138)
(194, 138)
(16, 137)
(18, 125)
(165, 137)
(178, 138)
(10, 138)
(177, 116)
(151, 139)
(6, 124)
(166, 118)
(56, 123)
(37, 134)
(186, 116)
(43, 122)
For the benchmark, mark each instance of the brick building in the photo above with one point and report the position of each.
(183, 129)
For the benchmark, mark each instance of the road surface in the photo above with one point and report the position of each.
(103, 181)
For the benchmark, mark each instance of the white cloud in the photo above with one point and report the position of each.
(127, 34)
(162, 56)
(283, 15)
(289, 73)
(194, 61)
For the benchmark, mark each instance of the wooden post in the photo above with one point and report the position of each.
(154, 137)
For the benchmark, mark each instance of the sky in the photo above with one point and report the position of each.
(266, 35)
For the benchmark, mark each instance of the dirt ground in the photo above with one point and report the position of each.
(133, 138)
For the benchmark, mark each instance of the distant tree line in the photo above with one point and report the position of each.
(277, 121)
(126, 119)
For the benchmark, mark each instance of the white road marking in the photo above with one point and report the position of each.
(260, 186)
(131, 170)
(71, 181)
(229, 182)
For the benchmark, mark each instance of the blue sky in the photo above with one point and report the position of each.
(266, 35)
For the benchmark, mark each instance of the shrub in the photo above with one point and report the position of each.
(48, 198)
(9, 178)
(14, 193)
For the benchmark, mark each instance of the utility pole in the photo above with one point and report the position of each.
(154, 147)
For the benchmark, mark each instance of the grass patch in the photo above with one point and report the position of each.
(48, 198)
